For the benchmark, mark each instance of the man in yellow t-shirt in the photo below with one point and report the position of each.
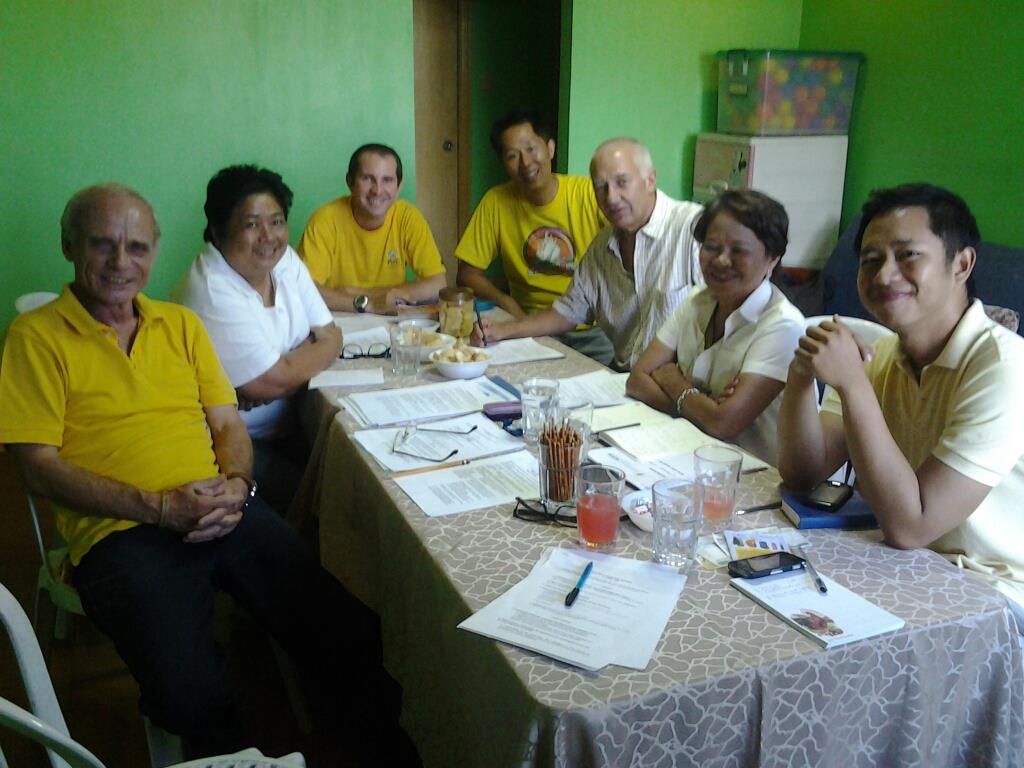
(116, 408)
(539, 224)
(358, 247)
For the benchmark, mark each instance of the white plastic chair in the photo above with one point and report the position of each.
(45, 723)
(868, 330)
(29, 301)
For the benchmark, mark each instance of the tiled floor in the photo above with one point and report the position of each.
(97, 694)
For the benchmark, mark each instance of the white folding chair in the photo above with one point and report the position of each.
(44, 722)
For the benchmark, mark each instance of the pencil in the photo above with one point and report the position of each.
(421, 470)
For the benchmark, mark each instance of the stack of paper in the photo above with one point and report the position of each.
(351, 322)
(358, 377)
(486, 439)
(602, 388)
(672, 438)
(480, 484)
(426, 403)
(631, 413)
(618, 618)
(377, 335)
(832, 619)
(520, 351)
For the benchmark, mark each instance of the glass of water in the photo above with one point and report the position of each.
(405, 351)
(678, 513)
(539, 397)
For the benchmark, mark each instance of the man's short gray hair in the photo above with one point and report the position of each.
(641, 154)
(83, 200)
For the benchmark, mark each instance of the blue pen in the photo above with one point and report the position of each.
(571, 597)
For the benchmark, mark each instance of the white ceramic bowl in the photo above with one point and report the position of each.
(638, 506)
(443, 342)
(462, 370)
(423, 322)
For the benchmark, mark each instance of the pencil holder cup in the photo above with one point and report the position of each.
(558, 464)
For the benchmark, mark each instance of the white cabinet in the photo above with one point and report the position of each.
(804, 173)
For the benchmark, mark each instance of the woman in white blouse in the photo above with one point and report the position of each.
(721, 359)
(269, 325)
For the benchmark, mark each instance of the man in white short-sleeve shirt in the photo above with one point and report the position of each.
(933, 422)
(635, 272)
(759, 339)
(248, 336)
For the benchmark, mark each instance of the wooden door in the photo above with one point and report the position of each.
(441, 61)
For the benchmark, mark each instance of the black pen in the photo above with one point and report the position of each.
(815, 577)
(571, 597)
(480, 323)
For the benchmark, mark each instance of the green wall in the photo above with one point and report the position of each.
(160, 95)
(940, 100)
(646, 68)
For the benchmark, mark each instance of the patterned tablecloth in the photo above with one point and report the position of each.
(729, 684)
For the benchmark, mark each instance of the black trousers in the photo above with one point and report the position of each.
(153, 595)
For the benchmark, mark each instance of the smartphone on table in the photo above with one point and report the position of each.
(829, 495)
(765, 565)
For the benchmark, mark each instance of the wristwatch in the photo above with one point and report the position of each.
(360, 302)
(248, 481)
(682, 396)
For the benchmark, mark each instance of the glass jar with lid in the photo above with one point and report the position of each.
(455, 311)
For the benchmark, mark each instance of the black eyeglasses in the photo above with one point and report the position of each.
(537, 512)
(354, 351)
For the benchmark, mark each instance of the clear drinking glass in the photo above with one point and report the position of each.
(677, 514)
(717, 469)
(579, 416)
(406, 339)
(539, 396)
(598, 496)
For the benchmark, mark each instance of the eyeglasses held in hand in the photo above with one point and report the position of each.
(354, 351)
(403, 436)
(537, 512)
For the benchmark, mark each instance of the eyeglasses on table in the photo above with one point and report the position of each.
(537, 512)
(404, 435)
(375, 350)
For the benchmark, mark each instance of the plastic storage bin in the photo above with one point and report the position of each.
(779, 93)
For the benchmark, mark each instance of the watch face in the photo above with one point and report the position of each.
(361, 302)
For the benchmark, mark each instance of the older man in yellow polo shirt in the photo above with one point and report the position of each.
(116, 408)
(358, 247)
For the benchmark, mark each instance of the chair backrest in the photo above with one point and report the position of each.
(868, 330)
(29, 301)
(34, 674)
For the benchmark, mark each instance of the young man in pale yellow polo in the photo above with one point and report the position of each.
(932, 421)
(358, 247)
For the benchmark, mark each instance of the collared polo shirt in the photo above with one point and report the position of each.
(631, 308)
(137, 418)
(248, 336)
(966, 411)
(760, 338)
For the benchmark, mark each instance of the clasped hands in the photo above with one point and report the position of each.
(832, 353)
(203, 510)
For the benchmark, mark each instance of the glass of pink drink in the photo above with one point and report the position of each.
(717, 469)
(597, 506)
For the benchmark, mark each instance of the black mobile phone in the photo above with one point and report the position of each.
(830, 495)
(765, 565)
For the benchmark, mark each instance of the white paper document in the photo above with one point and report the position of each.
(431, 401)
(835, 618)
(618, 617)
(602, 388)
(483, 483)
(351, 322)
(631, 413)
(671, 438)
(520, 351)
(365, 338)
(399, 448)
(360, 377)
(641, 473)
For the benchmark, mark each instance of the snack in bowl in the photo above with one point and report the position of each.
(461, 361)
(432, 342)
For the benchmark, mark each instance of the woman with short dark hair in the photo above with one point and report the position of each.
(271, 328)
(721, 359)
